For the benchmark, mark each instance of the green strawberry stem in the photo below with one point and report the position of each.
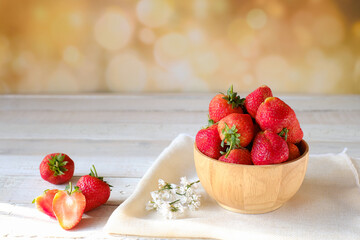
(57, 164)
(94, 173)
(231, 136)
(284, 133)
(210, 123)
(69, 189)
(233, 99)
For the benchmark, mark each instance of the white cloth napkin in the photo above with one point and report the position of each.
(327, 206)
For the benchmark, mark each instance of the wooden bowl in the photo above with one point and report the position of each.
(251, 188)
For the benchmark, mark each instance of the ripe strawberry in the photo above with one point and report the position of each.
(236, 130)
(293, 151)
(254, 99)
(269, 148)
(44, 202)
(95, 189)
(222, 105)
(57, 168)
(68, 207)
(275, 115)
(238, 156)
(208, 142)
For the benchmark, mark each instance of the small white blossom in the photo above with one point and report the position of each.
(161, 183)
(171, 200)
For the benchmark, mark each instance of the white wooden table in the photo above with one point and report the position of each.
(122, 135)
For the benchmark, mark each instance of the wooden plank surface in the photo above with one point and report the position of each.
(122, 135)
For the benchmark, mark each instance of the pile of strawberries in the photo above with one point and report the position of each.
(68, 206)
(259, 129)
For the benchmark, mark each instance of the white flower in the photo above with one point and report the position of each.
(161, 183)
(171, 200)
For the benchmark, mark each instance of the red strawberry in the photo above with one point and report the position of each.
(222, 105)
(44, 202)
(68, 207)
(275, 115)
(208, 142)
(95, 189)
(57, 168)
(238, 156)
(269, 148)
(254, 99)
(236, 130)
(293, 151)
(257, 128)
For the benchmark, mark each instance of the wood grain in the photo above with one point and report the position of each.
(250, 188)
(123, 135)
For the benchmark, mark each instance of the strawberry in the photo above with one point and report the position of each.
(95, 189)
(236, 130)
(238, 156)
(68, 207)
(275, 115)
(269, 148)
(44, 202)
(208, 142)
(293, 151)
(254, 99)
(57, 168)
(222, 105)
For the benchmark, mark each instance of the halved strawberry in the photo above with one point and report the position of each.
(69, 206)
(44, 202)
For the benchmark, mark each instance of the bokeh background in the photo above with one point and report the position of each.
(75, 46)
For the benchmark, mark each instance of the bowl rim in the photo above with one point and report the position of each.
(252, 166)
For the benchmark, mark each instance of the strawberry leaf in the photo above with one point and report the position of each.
(233, 99)
(93, 173)
(284, 133)
(57, 164)
(232, 138)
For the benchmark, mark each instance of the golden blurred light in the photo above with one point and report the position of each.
(76, 20)
(275, 9)
(328, 31)
(272, 70)
(71, 55)
(200, 8)
(314, 56)
(163, 80)
(256, 18)
(89, 74)
(5, 54)
(250, 47)
(35, 80)
(23, 62)
(113, 30)
(196, 36)
(154, 13)
(357, 72)
(147, 36)
(183, 73)
(205, 63)
(239, 31)
(39, 13)
(126, 72)
(170, 49)
(240, 67)
(303, 35)
(325, 75)
(62, 80)
(219, 7)
(248, 79)
(356, 29)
